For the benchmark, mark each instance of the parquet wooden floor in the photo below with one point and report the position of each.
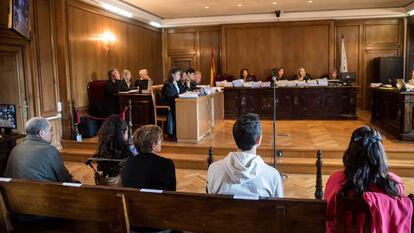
(189, 180)
(297, 134)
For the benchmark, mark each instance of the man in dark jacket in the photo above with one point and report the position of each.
(35, 158)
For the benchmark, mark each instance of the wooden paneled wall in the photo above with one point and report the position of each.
(136, 47)
(191, 47)
(365, 40)
(410, 47)
(314, 45)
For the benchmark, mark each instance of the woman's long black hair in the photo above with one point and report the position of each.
(111, 142)
(365, 164)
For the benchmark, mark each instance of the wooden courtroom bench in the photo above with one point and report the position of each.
(125, 207)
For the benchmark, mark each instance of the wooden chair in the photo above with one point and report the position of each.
(350, 209)
(156, 95)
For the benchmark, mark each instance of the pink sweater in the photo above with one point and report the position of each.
(334, 185)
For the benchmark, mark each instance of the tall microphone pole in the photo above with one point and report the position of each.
(274, 121)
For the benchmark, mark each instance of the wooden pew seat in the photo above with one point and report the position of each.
(123, 207)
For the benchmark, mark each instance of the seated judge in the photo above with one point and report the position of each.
(280, 74)
(366, 175)
(191, 84)
(142, 75)
(126, 80)
(301, 75)
(333, 75)
(112, 86)
(185, 83)
(197, 78)
(170, 90)
(244, 74)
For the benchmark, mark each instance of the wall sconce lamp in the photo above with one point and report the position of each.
(108, 41)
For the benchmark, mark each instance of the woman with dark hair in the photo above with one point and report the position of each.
(280, 74)
(113, 144)
(244, 74)
(170, 91)
(365, 170)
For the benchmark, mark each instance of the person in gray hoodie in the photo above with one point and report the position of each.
(244, 173)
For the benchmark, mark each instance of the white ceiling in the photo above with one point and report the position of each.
(173, 9)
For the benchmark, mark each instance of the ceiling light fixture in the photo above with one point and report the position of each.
(206, 7)
(310, 1)
(274, 3)
(410, 13)
(117, 10)
(155, 24)
(239, 5)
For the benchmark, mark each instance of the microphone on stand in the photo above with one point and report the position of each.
(274, 121)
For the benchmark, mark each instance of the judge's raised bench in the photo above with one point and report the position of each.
(333, 102)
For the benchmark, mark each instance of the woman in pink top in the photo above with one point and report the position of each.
(366, 170)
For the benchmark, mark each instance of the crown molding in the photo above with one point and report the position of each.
(147, 17)
(288, 16)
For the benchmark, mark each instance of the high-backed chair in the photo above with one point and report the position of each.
(156, 95)
(96, 98)
(96, 91)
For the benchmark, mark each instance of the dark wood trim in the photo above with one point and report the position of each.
(63, 67)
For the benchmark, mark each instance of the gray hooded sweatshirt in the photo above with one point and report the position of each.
(244, 174)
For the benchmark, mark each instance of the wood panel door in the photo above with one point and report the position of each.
(13, 82)
(182, 63)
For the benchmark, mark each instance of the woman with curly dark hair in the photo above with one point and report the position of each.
(113, 144)
(365, 174)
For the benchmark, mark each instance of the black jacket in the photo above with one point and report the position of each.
(111, 102)
(149, 171)
(169, 93)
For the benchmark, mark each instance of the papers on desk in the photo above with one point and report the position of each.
(221, 83)
(238, 83)
(291, 84)
(265, 84)
(301, 83)
(247, 84)
(188, 95)
(323, 82)
(312, 83)
(282, 83)
(228, 84)
(130, 91)
(375, 84)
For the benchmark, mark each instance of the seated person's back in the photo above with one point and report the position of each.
(366, 172)
(147, 169)
(244, 172)
(113, 144)
(35, 158)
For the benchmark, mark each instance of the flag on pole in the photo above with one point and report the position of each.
(212, 68)
(344, 62)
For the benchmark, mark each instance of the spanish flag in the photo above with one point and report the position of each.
(212, 68)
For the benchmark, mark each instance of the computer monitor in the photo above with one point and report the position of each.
(347, 77)
(7, 118)
(143, 84)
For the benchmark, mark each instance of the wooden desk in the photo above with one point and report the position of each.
(392, 110)
(6, 145)
(293, 102)
(142, 108)
(196, 117)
